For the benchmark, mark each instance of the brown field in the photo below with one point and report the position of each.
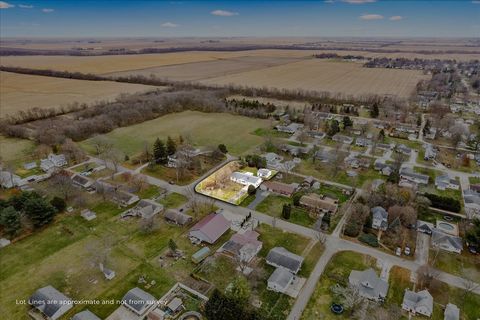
(335, 77)
(22, 92)
(210, 69)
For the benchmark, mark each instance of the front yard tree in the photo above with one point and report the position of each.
(63, 185)
(39, 211)
(159, 152)
(171, 146)
(251, 190)
(222, 148)
(286, 211)
(333, 128)
(238, 290)
(10, 220)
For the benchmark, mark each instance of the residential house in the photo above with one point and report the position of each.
(9, 180)
(82, 181)
(85, 315)
(264, 173)
(425, 227)
(418, 302)
(279, 188)
(246, 179)
(401, 148)
(52, 162)
(363, 142)
(385, 146)
(384, 168)
(243, 246)
(430, 152)
(280, 280)
(138, 301)
(319, 203)
(409, 175)
(281, 257)
(431, 134)
(177, 217)
(369, 285)
(472, 203)
(446, 241)
(342, 139)
(451, 312)
(291, 128)
(296, 150)
(273, 160)
(50, 302)
(145, 209)
(209, 229)
(324, 155)
(445, 182)
(379, 218)
(124, 198)
(181, 155)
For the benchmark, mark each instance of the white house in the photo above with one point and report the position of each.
(53, 161)
(445, 182)
(9, 180)
(264, 173)
(246, 179)
(369, 284)
(418, 302)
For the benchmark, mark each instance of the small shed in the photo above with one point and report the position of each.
(175, 305)
(201, 254)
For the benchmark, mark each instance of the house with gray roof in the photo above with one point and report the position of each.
(124, 198)
(446, 241)
(451, 312)
(418, 302)
(280, 280)
(430, 152)
(9, 180)
(383, 167)
(379, 218)
(363, 142)
(50, 302)
(85, 315)
(138, 301)
(369, 285)
(409, 175)
(281, 257)
(209, 229)
(82, 181)
(342, 139)
(425, 227)
(401, 148)
(177, 217)
(145, 209)
(291, 128)
(472, 203)
(445, 182)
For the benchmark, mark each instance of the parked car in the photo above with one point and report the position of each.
(407, 250)
(398, 251)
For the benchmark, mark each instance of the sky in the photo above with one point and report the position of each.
(330, 18)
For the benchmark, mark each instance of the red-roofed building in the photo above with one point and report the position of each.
(210, 228)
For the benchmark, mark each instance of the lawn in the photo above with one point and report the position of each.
(268, 132)
(333, 192)
(149, 192)
(456, 263)
(398, 281)
(15, 151)
(204, 129)
(173, 200)
(272, 237)
(311, 260)
(337, 271)
(273, 206)
(85, 166)
(474, 180)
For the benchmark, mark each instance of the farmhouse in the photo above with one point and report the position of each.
(446, 241)
(319, 204)
(85, 315)
(281, 257)
(138, 301)
(279, 187)
(409, 175)
(369, 284)
(379, 218)
(209, 229)
(342, 139)
(82, 181)
(444, 182)
(50, 302)
(246, 179)
(177, 217)
(52, 162)
(243, 246)
(418, 302)
(280, 280)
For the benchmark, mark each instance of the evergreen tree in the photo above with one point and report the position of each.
(10, 220)
(222, 148)
(347, 122)
(333, 128)
(159, 152)
(58, 203)
(375, 111)
(286, 211)
(39, 211)
(381, 135)
(171, 146)
(172, 245)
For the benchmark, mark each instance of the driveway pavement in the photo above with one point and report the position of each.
(259, 197)
(422, 248)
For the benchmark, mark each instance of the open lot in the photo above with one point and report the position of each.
(322, 75)
(14, 151)
(20, 92)
(204, 129)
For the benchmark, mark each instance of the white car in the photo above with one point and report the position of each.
(407, 251)
(398, 251)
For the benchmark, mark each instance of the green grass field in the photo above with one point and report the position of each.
(15, 151)
(204, 129)
(273, 206)
(398, 281)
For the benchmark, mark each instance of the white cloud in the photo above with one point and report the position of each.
(5, 5)
(169, 25)
(371, 17)
(25, 6)
(224, 13)
(46, 10)
(359, 1)
(396, 18)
